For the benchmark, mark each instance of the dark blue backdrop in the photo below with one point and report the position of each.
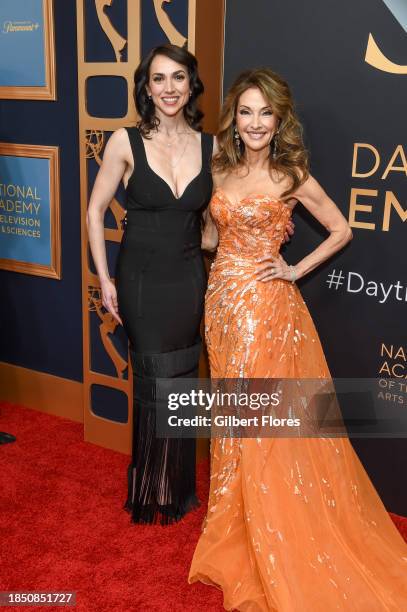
(41, 320)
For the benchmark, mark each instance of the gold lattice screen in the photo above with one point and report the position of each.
(99, 328)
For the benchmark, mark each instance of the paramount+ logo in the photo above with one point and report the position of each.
(374, 56)
(12, 27)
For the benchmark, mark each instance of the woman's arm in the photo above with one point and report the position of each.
(112, 170)
(320, 205)
(210, 236)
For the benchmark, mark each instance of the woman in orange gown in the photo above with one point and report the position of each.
(293, 524)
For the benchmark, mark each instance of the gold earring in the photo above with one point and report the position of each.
(237, 139)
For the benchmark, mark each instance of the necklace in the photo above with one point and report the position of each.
(171, 142)
(174, 165)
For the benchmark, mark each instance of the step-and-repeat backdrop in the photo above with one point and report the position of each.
(346, 63)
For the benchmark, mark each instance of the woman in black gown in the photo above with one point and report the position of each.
(160, 277)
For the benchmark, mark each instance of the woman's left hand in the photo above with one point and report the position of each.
(272, 267)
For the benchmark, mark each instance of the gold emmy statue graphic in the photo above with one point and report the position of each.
(167, 26)
(106, 328)
(374, 55)
(116, 40)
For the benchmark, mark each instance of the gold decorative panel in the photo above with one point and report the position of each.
(92, 137)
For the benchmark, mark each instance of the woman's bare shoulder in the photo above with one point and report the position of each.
(118, 145)
(119, 136)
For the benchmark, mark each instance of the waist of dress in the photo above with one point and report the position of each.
(163, 221)
(241, 259)
(165, 243)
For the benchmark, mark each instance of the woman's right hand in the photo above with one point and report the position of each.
(109, 299)
(210, 238)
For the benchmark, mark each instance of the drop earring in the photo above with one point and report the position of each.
(237, 140)
(275, 146)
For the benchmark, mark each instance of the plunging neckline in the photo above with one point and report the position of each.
(255, 196)
(163, 180)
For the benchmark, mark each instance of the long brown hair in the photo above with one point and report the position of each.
(291, 159)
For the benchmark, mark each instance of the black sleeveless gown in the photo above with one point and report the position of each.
(161, 282)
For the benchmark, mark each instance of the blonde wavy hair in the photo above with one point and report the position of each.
(291, 158)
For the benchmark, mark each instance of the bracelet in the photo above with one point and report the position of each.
(293, 273)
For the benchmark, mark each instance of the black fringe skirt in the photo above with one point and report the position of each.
(161, 475)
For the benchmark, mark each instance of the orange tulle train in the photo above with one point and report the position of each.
(293, 524)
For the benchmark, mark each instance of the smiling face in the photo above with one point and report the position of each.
(168, 85)
(255, 120)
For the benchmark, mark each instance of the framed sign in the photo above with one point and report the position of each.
(30, 236)
(27, 50)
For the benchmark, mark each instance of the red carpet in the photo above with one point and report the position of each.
(62, 526)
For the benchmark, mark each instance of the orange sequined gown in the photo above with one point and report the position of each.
(293, 525)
